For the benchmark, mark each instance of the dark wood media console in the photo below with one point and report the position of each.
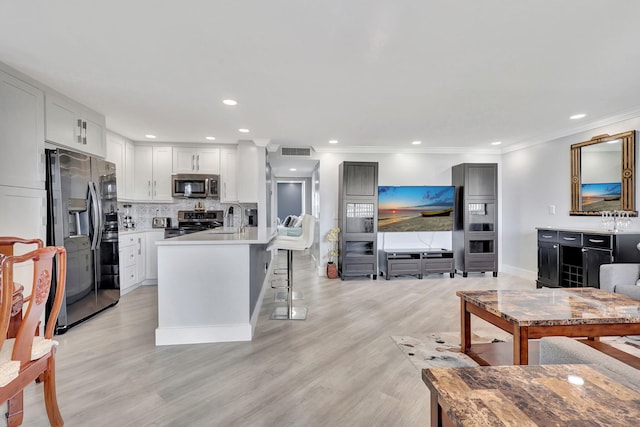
(396, 262)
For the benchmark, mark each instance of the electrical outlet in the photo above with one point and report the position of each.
(552, 209)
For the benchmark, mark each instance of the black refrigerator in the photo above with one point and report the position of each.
(82, 217)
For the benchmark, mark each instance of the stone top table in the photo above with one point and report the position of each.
(536, 313)
(550, 395)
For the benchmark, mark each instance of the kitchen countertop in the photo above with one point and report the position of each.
(138, 230)
(222, 236)
(589, 230)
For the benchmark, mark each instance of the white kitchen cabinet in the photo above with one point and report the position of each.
(151, 274)
(21, 133)
(152, 168)
(120, 152)
(72, 125)
(115, 151)
(141, 255)
(196, 160)
(229, 175)
(23, 213)
(132, 260)
(248, 181)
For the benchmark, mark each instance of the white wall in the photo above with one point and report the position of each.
(394, 169)
(534, 178)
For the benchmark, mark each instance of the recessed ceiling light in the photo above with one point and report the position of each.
(293, 169)
(578, 116)
(210, 138)
(496, 143)
(243, 130)
(417, 142)
(333, 141)
(230, 102)
(150, 136)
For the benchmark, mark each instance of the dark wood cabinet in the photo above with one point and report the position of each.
(570, 258)
(360, 180)
(548, 255)
(358, 219)
(475, 225)
(418, 262)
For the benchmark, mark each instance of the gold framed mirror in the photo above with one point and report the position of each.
(603, 174)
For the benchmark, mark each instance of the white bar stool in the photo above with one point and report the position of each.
(290, 244)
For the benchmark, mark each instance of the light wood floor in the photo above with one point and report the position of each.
(337, 368)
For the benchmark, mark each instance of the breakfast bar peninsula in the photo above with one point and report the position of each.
(210, 285)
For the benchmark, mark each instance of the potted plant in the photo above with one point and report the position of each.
(332, 268)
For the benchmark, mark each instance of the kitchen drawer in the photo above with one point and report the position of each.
(599, 241)
(128, 277)
(568, 238)
(125, 240)
(548, 236)
(128, 256)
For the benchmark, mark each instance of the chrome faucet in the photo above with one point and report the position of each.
(230, 209)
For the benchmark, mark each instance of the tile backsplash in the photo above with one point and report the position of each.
(143, 213)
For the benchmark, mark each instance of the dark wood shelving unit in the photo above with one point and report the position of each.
(475, 225)
(358, 219)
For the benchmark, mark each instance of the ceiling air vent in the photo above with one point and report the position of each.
(295, 152)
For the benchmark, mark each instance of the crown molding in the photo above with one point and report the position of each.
(574, 130)
(396, 150)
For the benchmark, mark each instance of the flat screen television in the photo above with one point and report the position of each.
(415, 208)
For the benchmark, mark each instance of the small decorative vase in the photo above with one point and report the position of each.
(332, 270)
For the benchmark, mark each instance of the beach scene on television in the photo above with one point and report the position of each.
(415, 208)
(601, 196)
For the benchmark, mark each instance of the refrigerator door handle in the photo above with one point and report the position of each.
(100, 213)
(96, 215)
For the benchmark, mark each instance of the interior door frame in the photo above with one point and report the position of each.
(303, 193)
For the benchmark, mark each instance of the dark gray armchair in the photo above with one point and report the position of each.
(621, 278)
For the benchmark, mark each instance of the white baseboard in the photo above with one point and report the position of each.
(203, 334)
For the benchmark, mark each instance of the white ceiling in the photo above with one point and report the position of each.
(456, 75)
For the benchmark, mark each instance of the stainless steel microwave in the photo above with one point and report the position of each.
(195, 186)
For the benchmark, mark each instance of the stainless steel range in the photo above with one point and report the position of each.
(194, 221)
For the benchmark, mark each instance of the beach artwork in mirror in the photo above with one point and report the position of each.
(602, 174)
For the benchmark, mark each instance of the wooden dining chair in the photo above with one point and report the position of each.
(35, 354)
(7, 248)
